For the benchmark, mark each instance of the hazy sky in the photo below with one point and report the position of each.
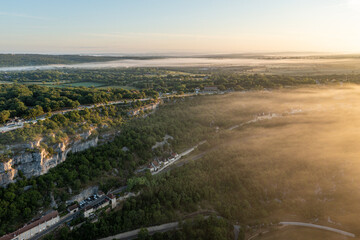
(140, 26)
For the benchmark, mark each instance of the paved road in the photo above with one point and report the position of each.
(118, 190)
(162, 228)
(81, 107)
(301, 224)
(154, 229)
(63, 220)
(133, 234)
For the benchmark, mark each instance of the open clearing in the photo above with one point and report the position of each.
(118, 86)
(83, 84)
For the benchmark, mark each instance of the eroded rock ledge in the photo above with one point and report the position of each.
(33, 160)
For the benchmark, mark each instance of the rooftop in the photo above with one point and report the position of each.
(72, 207)
(42, 220)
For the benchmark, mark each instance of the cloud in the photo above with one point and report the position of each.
(19, 15)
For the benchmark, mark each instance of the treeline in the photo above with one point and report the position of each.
(143, 78)
(257, 81)
(109, 76)
(236, 81)
(18, 100)
(163, 80)
(14, 60)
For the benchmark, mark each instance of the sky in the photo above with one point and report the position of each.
(179, 26)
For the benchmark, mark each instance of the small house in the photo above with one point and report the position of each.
(73, 208)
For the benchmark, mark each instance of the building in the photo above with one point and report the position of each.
(173, 157)
(151, 167)
(112, 200)
(14, 121)
(101, 203)
(34, 227)
(88, 211)
(210, 88)
(73, 208)
(197, 90)
(156, 165)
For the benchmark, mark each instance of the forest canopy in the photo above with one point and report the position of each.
(17, 100)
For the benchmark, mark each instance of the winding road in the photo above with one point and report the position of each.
(301, 224)
(12, 127)
(160, 228)
(81, 107)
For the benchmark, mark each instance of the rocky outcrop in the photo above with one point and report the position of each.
(81, 146)
(7, 173)
(32, 160)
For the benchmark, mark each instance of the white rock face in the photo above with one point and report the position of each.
(34, 162)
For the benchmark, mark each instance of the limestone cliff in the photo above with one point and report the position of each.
(33, 160)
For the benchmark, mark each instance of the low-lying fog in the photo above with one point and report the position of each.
(305, 154)
(179, 62)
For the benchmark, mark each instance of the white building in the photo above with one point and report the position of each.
(103, 201)
(33, 228)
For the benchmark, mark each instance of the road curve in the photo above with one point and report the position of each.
(134, 234)
(301, 224)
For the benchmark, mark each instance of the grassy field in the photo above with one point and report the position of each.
(116, 86)
(83, 84)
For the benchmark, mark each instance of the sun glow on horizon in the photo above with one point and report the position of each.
(111, 26)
